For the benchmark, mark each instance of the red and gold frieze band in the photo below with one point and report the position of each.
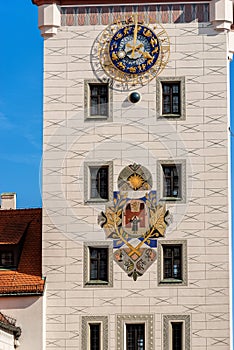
(151, 14)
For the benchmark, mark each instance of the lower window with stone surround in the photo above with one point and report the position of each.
(176, 332)
(135, 332)
(172, 262)
(98, 264)
(171, 180)
(94, 333)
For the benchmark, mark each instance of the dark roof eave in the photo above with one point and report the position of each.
(19, 293)
(11, 329)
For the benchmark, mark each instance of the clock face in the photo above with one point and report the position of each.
(134, 49)
(132, 53)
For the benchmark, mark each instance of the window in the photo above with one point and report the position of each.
(172, 180)
(172, 262)
(176, 331)
(177, 335)
(97, 100)
(170, 97)
(94, 333)
(135, 332)
(98, 182)
(98, 264)
(135, 336)
(7, 259)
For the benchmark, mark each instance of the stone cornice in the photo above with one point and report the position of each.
(105, 2)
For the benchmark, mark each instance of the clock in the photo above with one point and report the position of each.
(132, 53)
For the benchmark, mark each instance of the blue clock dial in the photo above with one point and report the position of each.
(134, 49)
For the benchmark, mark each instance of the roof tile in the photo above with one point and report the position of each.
(25, 224)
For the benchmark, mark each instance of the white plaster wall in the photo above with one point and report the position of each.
(6, 341)
(28, 314)
(135, 135)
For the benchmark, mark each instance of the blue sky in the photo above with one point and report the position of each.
(21, 102)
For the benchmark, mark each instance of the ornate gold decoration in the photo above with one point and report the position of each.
(136, 181)
(133, 53)
(134, 258)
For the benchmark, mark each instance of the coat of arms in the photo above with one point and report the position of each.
(135, 221)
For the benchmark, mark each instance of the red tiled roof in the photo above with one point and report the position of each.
(25, 224)
(11, 230)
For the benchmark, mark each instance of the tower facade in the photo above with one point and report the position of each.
(135, 174)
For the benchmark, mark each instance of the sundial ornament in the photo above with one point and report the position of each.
(132, 52)
(135, 221)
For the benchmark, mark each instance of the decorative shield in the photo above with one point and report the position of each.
(134, 223)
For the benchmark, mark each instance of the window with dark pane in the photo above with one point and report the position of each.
(135, 336)
(7, 259)
(172, 262)
(98, 264)
(95, 339)
(171, 180)
(98, 99)
(177, 335)
(99, 186)
(171, 98)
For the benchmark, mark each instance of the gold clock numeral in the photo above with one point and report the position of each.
(118, 36)
(149, 62)
(114, 56)
(132, 69)
(121, 65)
(155, 50)
(147, 32)
(113, 47)
(153, 42)
(126, 30)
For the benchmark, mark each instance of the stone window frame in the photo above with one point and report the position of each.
(86, 264)
(87, 184)
(182, 163)
(87, 115)
(86, 321)
(161, 281)
(167, 332)
(122, 320)
(159, 114)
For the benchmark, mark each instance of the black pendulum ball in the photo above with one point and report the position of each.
(134, 97)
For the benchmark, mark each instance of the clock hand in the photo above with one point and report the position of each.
(135, 30)
(136, 47)
(134, 36)
(145, 54)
